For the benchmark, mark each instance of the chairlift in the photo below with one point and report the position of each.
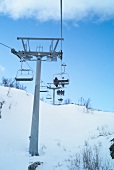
(48, 96)
(24, 75)
(60, 92)
(43, 87)
(61, 78)
(60, 99)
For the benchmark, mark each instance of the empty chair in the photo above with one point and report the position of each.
(24, 75)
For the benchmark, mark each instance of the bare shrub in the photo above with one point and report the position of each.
(75, 162)
(67, 101)
(89, 159)
(12, 83)
(86, 103)
(103, 131)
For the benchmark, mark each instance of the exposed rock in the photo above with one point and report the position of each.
(34, 165)
(112, 149)
(112, 140)
(1, 104)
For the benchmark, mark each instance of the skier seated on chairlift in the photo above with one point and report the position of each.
(56, 82)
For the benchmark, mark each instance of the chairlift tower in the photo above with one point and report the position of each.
(50, 54)
(38, 55)
(53, 88)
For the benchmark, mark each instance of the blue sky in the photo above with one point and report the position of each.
(88, 47)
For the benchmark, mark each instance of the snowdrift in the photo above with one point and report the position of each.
(63, 131)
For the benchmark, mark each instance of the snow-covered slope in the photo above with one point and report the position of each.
(62, 131)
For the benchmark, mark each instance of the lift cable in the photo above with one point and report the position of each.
(20, 58)
(5, 45)
(61, 22)
(61, 32)
(30, 67)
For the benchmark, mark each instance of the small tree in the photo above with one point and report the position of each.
(5, 82)
(81, 101)
(67, 101)
(86, 103)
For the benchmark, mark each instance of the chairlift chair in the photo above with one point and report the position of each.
(43, 91)
(60, 92)
(48, 96)
(24, 75)
(60, 99)
(43, 87)
(61, 79)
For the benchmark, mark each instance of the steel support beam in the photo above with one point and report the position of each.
(33, 147)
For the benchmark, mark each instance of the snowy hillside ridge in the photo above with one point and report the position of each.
(64, 131)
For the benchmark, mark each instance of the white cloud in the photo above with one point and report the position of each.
(2, 69)
(45, 10)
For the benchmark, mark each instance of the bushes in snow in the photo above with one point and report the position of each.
(12, 83)
(89, 159)
(86, 103)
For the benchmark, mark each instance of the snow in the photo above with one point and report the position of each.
(63, 130)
